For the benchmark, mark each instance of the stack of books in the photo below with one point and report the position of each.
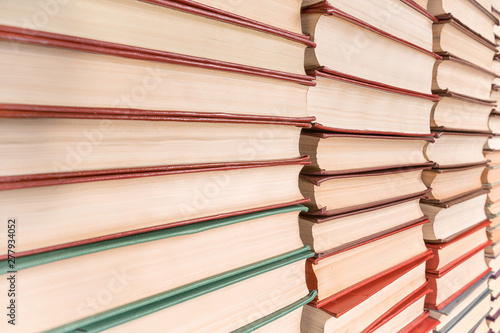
(150, 158)
(491, 181)
(372, 101)
(458, 274)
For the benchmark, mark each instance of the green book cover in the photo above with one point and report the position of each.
(123, 314)
(52, 256)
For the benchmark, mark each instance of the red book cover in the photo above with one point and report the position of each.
(398, 308)
(347, 302)
(433, 263)
(83, 177)
(19, 35)
(324, 211)
(422, 324)
(312, 282)
(430, 301)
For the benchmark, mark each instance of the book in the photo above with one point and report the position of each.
(163, 27)
(59, 213)
(494, 283)
(337, 153)
(467, 301)
(84, 306)
(340, 103)
(362, 306)
(495, 92)
(459, 113)
(127, 82)
(282, 14)
(402, 19)
(470, 318)
(476, 288)
(482, 327)
(493, 143)
(448, 284)
(443, 150)
(492, 208)
(331, 195)
(333, 233)
(401, 314)
(494, 123)
(67, 145)
(334, 275)
(452, 183)
(236, 307)
(492, 318)
(422, 324)
(451, 38)
(494, 263)
(454, 75)
(493, 156)
(493, 250)
(494, 233)
(407, 66)
(448, 253)
(470, 13)
(449, 219)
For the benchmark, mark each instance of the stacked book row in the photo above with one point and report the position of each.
(458, 273)
(210, 166)
(372, 102)
(490, 181)
(150, 158)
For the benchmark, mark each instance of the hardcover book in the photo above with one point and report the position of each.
(340, 104)
(408, 67)
(114, 81)
(64, 212)
(166, 27)
(363, 306)
(331, 195)
(191, 256)
(360, 264)
(337, 153)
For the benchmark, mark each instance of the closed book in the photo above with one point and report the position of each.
(453, 319)
(360, 264)
(402, 313)
(452, 183)
(328, 102)
(362, 306)
(448, 284)
(61, 147)
(263, 277)
(331, 195)
(65, 212)
(132, 82)
(451, 218)
(406, 19)
(135, 268)
(476, 17)
(163, 27)
(452, 38)
(454, 75)
(471, 317)
(409, 67)
(460, 113)
(235, 303)
(448, 253)
(443, 150)
(422, 324)
(337, 153)
(330, 234)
